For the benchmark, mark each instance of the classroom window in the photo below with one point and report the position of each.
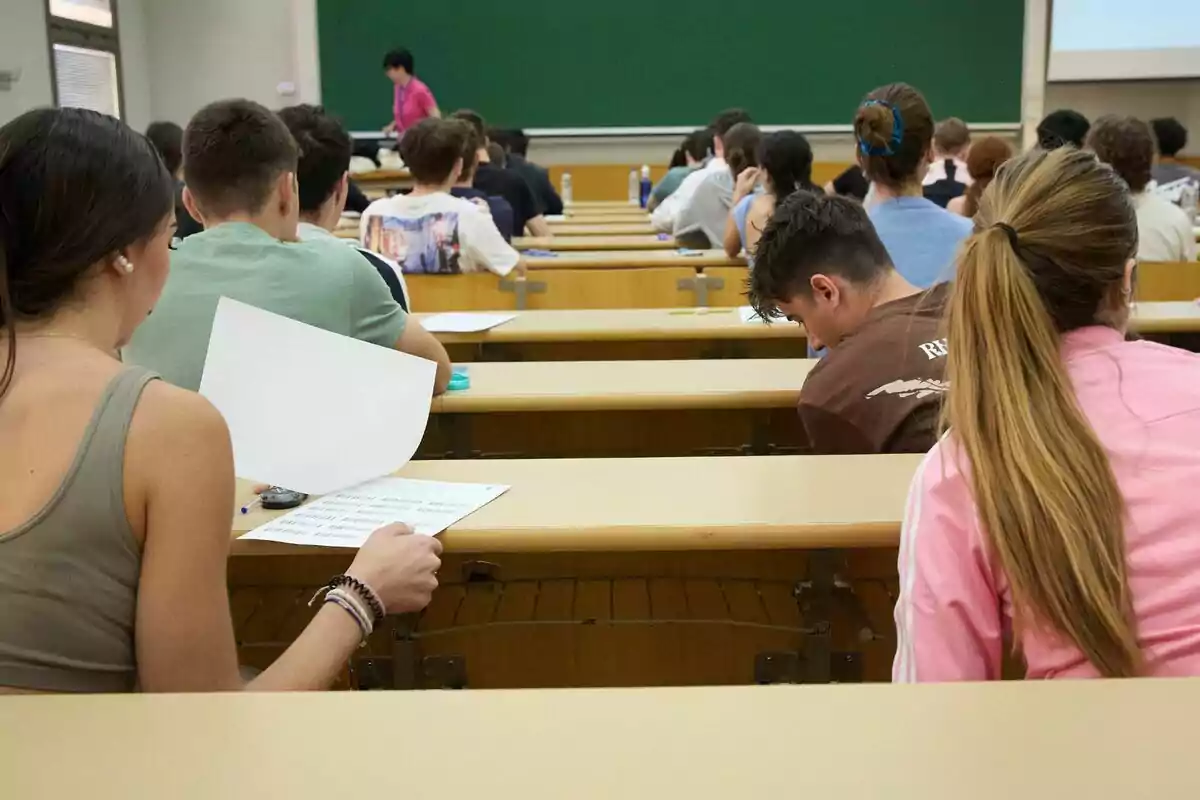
(85, 52)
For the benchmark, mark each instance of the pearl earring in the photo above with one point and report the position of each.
(125, 264)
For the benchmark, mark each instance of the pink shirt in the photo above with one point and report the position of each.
(1143, 400)
(411, 104)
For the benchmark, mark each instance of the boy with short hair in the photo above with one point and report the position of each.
(665, 216)
(516, 146)
(501, 211)
(820, 263)
(948, 177)
(495, 181)
(429, 230)
(240, 162)
(324, 176)
(1172, 138)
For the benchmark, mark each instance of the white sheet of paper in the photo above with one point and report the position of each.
(312, 410)
(347, 518)
(464, 322)
(749, 315)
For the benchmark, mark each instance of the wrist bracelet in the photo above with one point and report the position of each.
(368, 595)
(351, 607)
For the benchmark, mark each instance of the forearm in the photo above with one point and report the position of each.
(539, 227)
(316, 658)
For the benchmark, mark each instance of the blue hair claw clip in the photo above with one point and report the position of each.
(897, 132)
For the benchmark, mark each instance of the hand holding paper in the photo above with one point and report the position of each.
(400, 567)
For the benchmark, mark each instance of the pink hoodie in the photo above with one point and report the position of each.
(1143, 400)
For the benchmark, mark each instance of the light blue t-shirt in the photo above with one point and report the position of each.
(921, 237)
(739, 215)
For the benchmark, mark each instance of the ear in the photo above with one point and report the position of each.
(1130, 279)
(343, 191)
(456, 171)
(289, 192)
(718, 147)
(824, 288)
(189, 202)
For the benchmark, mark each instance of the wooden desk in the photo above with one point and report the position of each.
(1165, 317)
(627, 210)
(621, 408)
(1159, 281)
(634, 259)
(599, 206)
(1100, 740)
(605, 229)
(383, 179)
(619, 572)
(627, 334)
(602, 242)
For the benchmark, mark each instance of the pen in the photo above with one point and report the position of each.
(255, 502)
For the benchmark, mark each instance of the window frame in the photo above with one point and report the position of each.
(74, 33)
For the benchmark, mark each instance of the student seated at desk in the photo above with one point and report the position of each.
(495, 181)
(116, 488)
(240, 164)
(167, 138)
(690, 156)
(516, 149)
(1164, 229)
(429, 230)
(821, 264)
(323, 174)
(1062, 128)
(785, 161)
(948, 176)
(1171, 137)
(1058, 513)
(665, 216)
(894, 129)
(983, 160)
(701, 220)
(498, 207)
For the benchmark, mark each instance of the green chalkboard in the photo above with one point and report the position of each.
(616, 63)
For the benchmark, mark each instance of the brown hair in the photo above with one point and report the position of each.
(741, 147)
(874, 125)
(472, 144)
(1128, 144)
(1054, 233)
(432, 147)
(983, 159)
(233, 152)
(951, 136)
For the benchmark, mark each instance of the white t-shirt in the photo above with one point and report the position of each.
(664, 216)
(436, 233)
(1164, 230)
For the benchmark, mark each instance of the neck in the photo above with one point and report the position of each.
(96, 323)
(327, 216)
(273, 224)
(891, 287)
(911, 189)
(430, 188)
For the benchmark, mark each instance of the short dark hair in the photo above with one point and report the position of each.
(951, 135)
(518, 142)
(741, 146)
(1062, 128)
(233, 152)
(431, 148)
(890, 163)
(1171, 135)
(699, 143)
(1127, 144)
(497, 155)
(167, 138)
(325, 150)
(787, 158)
(400, 58)
(727, 119)
(472, 118)
(472, 144)
(812, 232)
(76, 187)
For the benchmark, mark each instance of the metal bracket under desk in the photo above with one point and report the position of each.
(700, 285)
(522, 287)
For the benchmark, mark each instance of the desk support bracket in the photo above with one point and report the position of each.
(700, 285)
(522, 287)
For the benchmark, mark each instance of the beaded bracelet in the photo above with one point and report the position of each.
(366, 592)
(351, 607)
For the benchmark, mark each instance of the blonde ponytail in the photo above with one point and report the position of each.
(1045, 492)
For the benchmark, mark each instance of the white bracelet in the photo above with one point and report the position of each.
(354, 608)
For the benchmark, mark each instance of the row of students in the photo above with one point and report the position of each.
(665, 217)
(116, 488)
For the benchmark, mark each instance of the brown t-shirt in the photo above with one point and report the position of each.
(880, 389)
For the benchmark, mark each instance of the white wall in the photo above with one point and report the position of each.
(23, 46)
(135, 66)
(1145, 99)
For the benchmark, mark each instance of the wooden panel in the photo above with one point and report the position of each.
(601, 288)
(473, 292)
(610, 182)
(733, 291)
(1168, 281)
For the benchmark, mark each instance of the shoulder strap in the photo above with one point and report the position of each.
(101, 467)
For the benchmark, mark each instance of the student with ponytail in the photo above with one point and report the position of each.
(785, 161)
(1055, 515)
(894, 130)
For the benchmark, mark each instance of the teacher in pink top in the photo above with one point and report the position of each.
(413, 101)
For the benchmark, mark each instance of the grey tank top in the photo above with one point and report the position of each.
(69, 576)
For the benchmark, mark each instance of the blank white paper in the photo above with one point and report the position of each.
(312, 410)
(347, 518)
(464, 322)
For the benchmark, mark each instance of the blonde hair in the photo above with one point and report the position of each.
(1053, 235)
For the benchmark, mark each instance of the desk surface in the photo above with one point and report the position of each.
(602, 229)
(604, 242)
(600, 205)
(1099, 740)
(381, 175)
(625, 325)
(662, 504)
(1174, 317)
(734, 383)
(634, 259)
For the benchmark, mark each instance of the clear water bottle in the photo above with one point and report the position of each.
(645, 187)
(568, 195)
(633, 187)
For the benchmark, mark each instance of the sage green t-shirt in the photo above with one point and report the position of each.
(322, 283)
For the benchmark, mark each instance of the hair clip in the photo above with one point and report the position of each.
(897, 132)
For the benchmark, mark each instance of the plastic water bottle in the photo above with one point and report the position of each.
(633, 187)
(645, 187)
(568, 196)
(1187, 201)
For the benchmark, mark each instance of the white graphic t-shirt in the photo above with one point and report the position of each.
(436, 234)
